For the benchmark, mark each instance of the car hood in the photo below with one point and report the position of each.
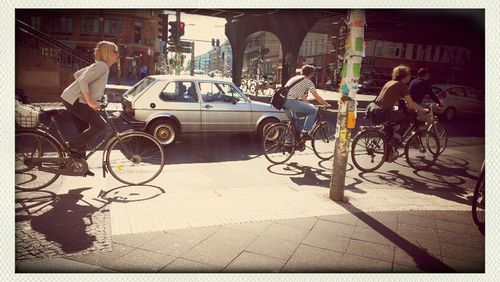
(260, 106)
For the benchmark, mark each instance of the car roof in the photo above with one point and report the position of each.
(189, 78)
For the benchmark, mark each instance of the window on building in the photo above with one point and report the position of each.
(455, 59)
(441, 54)
(62, 24)
(414, 52)
(113, 26)
(36, 22)
(403, 51)
(424, 53)
(433, 52)
(391, 49)
(378, 48)
(89, 25)
(138, 32)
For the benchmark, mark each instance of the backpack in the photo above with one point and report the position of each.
(279, 97)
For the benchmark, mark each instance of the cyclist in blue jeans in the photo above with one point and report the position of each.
(296, 100)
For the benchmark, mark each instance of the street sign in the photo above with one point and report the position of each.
(185, 44)
(185, 50)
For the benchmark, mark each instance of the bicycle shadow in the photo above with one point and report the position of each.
(66, 220)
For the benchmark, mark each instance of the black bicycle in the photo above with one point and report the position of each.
(281, 140)
(478, 202)
(371, 147)
(131, 157)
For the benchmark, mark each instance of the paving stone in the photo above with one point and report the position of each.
(462, 253)
(141, 261)
(349, 218)
(460, 239)
(288, 233)
(54, 265)
(253, 227)
(463, 265)
(272, 247)
(303, 223)
(198, 233)
(334, 228)
(455, 216)
(181, 265)
(424, 221)
(136, 240)
(321, 239)
(458, 227)
(230, 235)
(401, 257)
(311, 259)
(215, 252)
(250, 262)
(398, 268)
(352, 263)
(169, 244)
(371, 235)
(412, 231)
(371, 250)
(104, 259)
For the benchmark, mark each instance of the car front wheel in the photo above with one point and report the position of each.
(165, 131)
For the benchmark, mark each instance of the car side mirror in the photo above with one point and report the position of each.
(235, 101)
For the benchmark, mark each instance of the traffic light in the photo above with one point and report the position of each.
(173, 32)
(181, 28)
(163, 27)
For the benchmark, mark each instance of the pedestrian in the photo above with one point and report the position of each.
(81, 96)
(420, 87)
(144, 71)
(297, 103)
(390, 94)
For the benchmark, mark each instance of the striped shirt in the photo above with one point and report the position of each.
(301, 88)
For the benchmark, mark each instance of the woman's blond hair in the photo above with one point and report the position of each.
(103, 50)
(400, 72)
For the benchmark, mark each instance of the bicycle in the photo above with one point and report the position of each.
(131, 157)
(478, 202)
(281, 140)
(371, 148)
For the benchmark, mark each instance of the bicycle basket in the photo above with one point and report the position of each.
(328, 115)
(26, 115)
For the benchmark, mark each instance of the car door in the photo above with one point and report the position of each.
(458, 99)
(223, 108)
(475, 100)
(180, 99)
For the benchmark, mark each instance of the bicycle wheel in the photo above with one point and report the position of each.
(422, 150)
(323, 142)
(278, 143)
(368, 150)
(32, 144)
(135, 158)
(478, 203)
(440, 131)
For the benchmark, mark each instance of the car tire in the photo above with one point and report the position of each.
(263, 125)
(449, 113)
(165, 131)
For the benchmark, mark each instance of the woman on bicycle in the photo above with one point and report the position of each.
(81, 96)
(296, 100)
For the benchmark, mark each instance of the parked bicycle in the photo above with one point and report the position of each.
(371, 146)
(478, 202)
(281, 140)
(131, 157)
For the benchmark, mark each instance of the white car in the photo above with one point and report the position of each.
(165, 106)
(457, 100)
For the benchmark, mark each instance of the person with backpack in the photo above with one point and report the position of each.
(296, 100)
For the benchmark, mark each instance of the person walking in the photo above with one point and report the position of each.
(297, 103)
(80, 97)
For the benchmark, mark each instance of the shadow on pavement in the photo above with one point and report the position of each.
(423, 259)
(131, 193)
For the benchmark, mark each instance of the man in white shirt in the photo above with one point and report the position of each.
(297, 99)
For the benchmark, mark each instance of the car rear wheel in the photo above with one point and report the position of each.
(449, 113)
(165, 131)
(265, 125)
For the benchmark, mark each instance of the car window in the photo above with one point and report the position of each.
(139, 87)
(435, 90)
(214, 92)
(179, 91)
(457, 91)
(471, 93)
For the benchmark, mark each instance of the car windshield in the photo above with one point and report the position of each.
(139, 87)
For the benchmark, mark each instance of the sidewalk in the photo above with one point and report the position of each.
(250, 216)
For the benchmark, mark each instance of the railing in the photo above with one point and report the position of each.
(50, 48)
